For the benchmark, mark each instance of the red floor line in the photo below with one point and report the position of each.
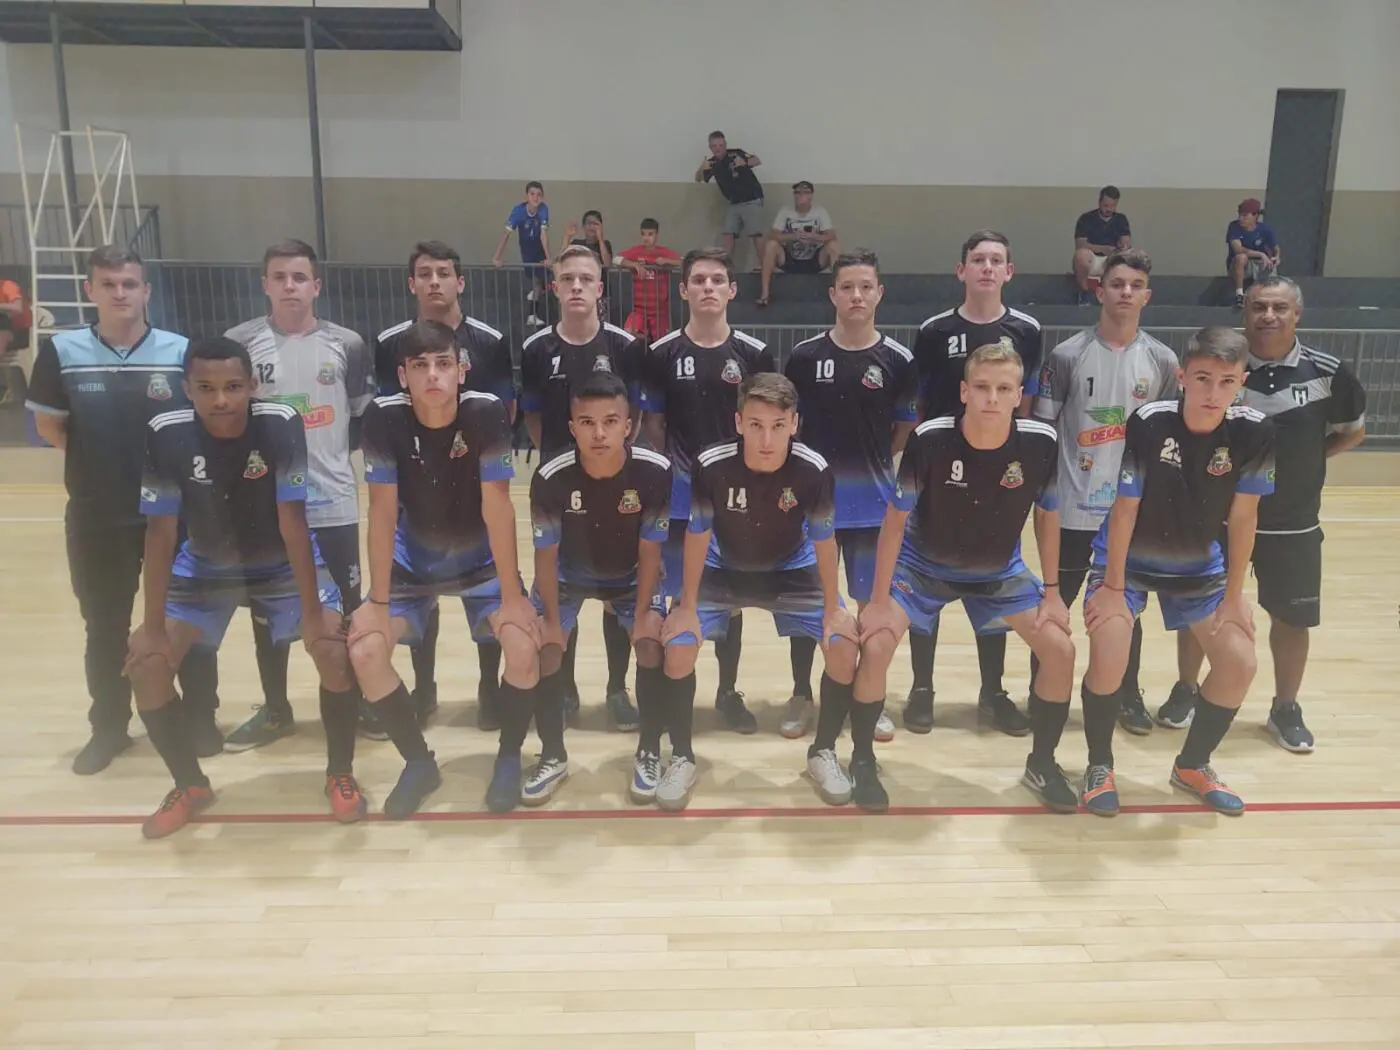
(751, 813)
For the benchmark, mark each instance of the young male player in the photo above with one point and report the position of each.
(969, 482)
(436, 280)
(553, 363)
(1187, 465)
(940, 352)
(530, 220)
(651, 265)
(326, 373)
(690, 393)
(438, 465)
(858, 395)
(1090, 384)
(235, 468)
(767, 503)
(600, 513)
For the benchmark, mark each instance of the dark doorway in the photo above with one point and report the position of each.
(1302, 162)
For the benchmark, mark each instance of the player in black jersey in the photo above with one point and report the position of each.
(235, 468)
(600, 513)
(690, 393)
(953, 532)
(858, 397)
(436, 281)
(1187, 466)
(438, 464)
(554, 362)
(940, 351)
(761, 534)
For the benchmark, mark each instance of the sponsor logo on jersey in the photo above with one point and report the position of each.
(786, 501)
(630, 503)
(874, 378)
(1113, 426)
(325, 375)
(1014, 477)
(256, 467)
(158, 389)
(459, 446)
(1140, 390)
(1126, 477)
(1099, 500)
(602, 364)
(1086, 461)
(1219, 462)
(312, 416)
(731, 373)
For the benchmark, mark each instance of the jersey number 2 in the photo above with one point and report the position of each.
(197, 467)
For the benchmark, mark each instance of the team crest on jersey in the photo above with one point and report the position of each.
(1299, 391)
(1219, 462)
(459, 447)
(256, 467)
(1014, 477)
(464, 358)
(873, 378)
(325, 375)
(786, 501)
(297, 480)
(1086, 462)
(602, 364)
(158, 389)
(630, 503)
(1140, 390)
(731, 372)
(903, 586)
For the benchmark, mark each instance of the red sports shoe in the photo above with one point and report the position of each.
(347, 804)
(179, 808)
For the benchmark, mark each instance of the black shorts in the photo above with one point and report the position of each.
(791, 265)
(1289, 570)
(340, 550)
(858, 552)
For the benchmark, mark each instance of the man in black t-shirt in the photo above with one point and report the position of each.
(1187, 466)
(235, 468)
(1097, 235)
(600, 513)
(732, 170)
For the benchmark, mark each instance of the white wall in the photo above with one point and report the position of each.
(1159, 93)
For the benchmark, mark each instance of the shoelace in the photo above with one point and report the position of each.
(651, 765)
(172, 799)
(1098, 777)
(830, 764)
(344, 786)
(1211, 780)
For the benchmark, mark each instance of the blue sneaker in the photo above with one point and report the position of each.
(1100, 795)
(646, 775)
(543, 779)
(1209, 788)
(419, 779)
(503, 793)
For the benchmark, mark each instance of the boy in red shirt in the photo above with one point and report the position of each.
(651, 290)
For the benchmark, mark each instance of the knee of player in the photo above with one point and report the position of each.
(649, 652)
(368, 653)
(1239, 653)
(680, 660)
(519, 651)
(149, 673)
(1055, 646)
(878, 649)
(332, 658)
(841, 656)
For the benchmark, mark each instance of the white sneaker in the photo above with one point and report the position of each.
(799, 713)
(532, 295)
(645, 776)
(673, 791)
(534, 322)
(884, 729)
(832, 783)
(542, 780)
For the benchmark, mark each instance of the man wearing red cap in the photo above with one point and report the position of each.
(1253, 248)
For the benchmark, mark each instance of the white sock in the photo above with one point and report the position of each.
(1239, 291)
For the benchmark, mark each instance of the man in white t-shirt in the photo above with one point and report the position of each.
(803, 239)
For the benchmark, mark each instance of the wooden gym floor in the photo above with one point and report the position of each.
(760, 920)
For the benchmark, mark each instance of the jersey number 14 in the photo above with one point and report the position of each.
(738, 499)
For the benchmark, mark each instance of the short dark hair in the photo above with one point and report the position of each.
(1276, 280)
(599, 386)
(650, 224)
(291, 248)
(714, 255)
(770, 388)
(855, 257)
(1218, 343)
(113, 257)
(533, 185)
(1111, 192)
(438, 251)
(717, 135)
(426, 337)
(979, 236)
(592, 213)
(216, 348)
(1132, 258)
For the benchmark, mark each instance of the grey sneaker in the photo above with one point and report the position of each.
(543, 779)
(646, 775)
(884, 728)
(799, 715)
(260, 730)
(674, 790)
(824, 768)
(1286, 726)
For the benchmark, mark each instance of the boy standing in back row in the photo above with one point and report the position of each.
(530, 219)
(650, 264)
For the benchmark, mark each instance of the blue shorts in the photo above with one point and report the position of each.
(1184, 599)
(858, 553)
(208, 601)
(988, 602)
(793, 596)
(572, 596)
(414, 597)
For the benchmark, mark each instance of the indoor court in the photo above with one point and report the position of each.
(966, 917)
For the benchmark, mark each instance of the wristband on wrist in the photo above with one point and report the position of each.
(375, 601)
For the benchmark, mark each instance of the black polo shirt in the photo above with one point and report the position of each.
(1099, 230)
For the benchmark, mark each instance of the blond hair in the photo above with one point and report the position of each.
(1002, 352)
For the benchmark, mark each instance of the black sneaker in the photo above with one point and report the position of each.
(97, 753)
(918, 710)
(419, 779)
(1048, 783)
(622, 711)
(866, 790)
(730, 704)
(370, 726)
(266, 725)
(204, 733)
(1132, 713)
(1003, 713)
(425, 704)
(1179, 709)
(1286, 726)
(488, 706)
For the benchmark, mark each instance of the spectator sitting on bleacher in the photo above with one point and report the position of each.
(14, 336)
(732, 170)
(1097, 235)
(1254, 251)
(802, 241)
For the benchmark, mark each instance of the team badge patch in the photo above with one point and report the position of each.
(297, 480)
(256, 467)
(1299, 392)
(874, 379)
(787, 501)
(731, 372)
(1014, 477)
(325, 375)
(630, 503)
(459, 447)
(1219, 462)
(1086, 462)
(602, 364)
(903, 586)
(1140, 390)
(464, 359)
(158, 389)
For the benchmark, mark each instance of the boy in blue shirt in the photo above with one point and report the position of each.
(530, 219)
(1253, 248)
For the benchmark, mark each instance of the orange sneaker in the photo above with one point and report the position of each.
(1100, 794)
(347, 804)
(179, 808)
(1209, 788)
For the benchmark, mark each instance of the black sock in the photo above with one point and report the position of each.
(566, 666)
(651, 708)
(549, 716)
(1130, 685)
(680, 714)
(991, 661)
(517, 708)
(1048, 725)
(727, 651)
(166, 728)
(921, 650)
(340, 714)
(619, 649)
(424, 654)
(272, 669)
(399, 719)
(831, 714)
(488, 658)
(863, 719)
(801, 651)
(198, 682)
(1100, 716)
(1208, 727)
